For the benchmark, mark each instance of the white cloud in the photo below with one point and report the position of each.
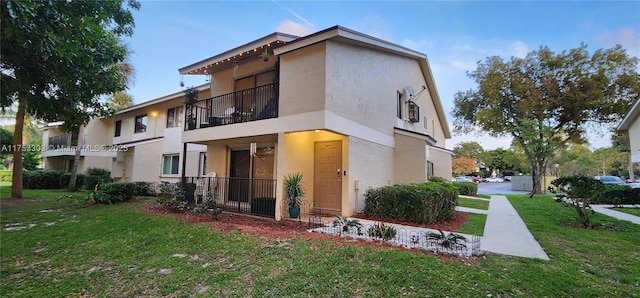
(518, 49)
(291, 27)
(627, 37)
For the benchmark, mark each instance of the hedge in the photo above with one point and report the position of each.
(421, 203)
(41, 179)
(97, 176)
(80, 179)
(467, 188)
(618, 195)
(114, 192)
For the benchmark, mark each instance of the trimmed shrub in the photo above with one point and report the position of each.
(99, 172)
(437, 179)
(6, 175)
(421, 203)
(142, 188)
(97, 176)
(618, 195)
(114, 192)
(467, 188)
(64, 180)
(41, 179)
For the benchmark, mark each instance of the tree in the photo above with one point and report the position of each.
(545, 100)
(57, 59)
(463, 165)
(620, 141)
(468, 149)
(119, 100)
(31, 156)
(502, 160)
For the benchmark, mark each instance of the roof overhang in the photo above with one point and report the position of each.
(632, 116)
(251, 50)
(160, 99)
(425, 137)
(345, 35)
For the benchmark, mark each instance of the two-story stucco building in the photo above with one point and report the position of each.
(138, 143)
(347, 110)
(631, 123)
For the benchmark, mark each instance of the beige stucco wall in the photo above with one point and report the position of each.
(370, 166)
(409, 160)
(363, 84)
(156, 120)
(441, 159)
(302, 81)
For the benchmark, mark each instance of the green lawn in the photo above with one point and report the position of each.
(475, 225)
(472, 203)
(633, 211)
(117, 251)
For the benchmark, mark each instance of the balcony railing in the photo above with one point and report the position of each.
(242, 195)
(63, 141)
(237, 107)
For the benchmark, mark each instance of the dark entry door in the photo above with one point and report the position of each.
(239, 178)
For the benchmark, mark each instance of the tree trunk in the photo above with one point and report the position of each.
(76, 159)
(537, 172)
(16, 185)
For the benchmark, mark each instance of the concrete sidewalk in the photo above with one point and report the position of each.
(604, 209)
(506, 233)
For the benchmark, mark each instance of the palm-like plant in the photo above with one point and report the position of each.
(451, 240)
(294, 190)
(346, 223)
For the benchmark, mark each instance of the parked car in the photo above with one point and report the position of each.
(610, 179)
(462, 179)
(507, 178)
(635, 184)
(494, 179)
(474, 179)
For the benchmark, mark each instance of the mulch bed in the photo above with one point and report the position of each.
(287, 229)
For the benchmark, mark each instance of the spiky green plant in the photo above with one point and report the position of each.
(346, 223)
(383, 231)
(450, 240)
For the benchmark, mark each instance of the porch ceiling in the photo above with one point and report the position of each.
(247, 52)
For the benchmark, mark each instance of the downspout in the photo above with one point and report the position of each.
(184, 164)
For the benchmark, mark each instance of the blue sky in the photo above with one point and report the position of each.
(453, 34)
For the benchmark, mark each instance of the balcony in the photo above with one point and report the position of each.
(62, 141)
(237, 107)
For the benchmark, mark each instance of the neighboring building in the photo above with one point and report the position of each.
(631, 122)
(347, 110)
(138, 143)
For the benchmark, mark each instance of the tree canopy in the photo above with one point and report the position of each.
(468, 149)
(58, 58)
(546, 100)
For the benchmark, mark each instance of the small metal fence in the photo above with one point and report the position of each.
(404, 236)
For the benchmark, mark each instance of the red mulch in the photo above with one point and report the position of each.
(286, 229)
(452, 225)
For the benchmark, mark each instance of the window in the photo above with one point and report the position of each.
(400, 104)
(170, 164)
(174, 117)
(414, 112)
(429, 169)
(141, 123)
(118, 128)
